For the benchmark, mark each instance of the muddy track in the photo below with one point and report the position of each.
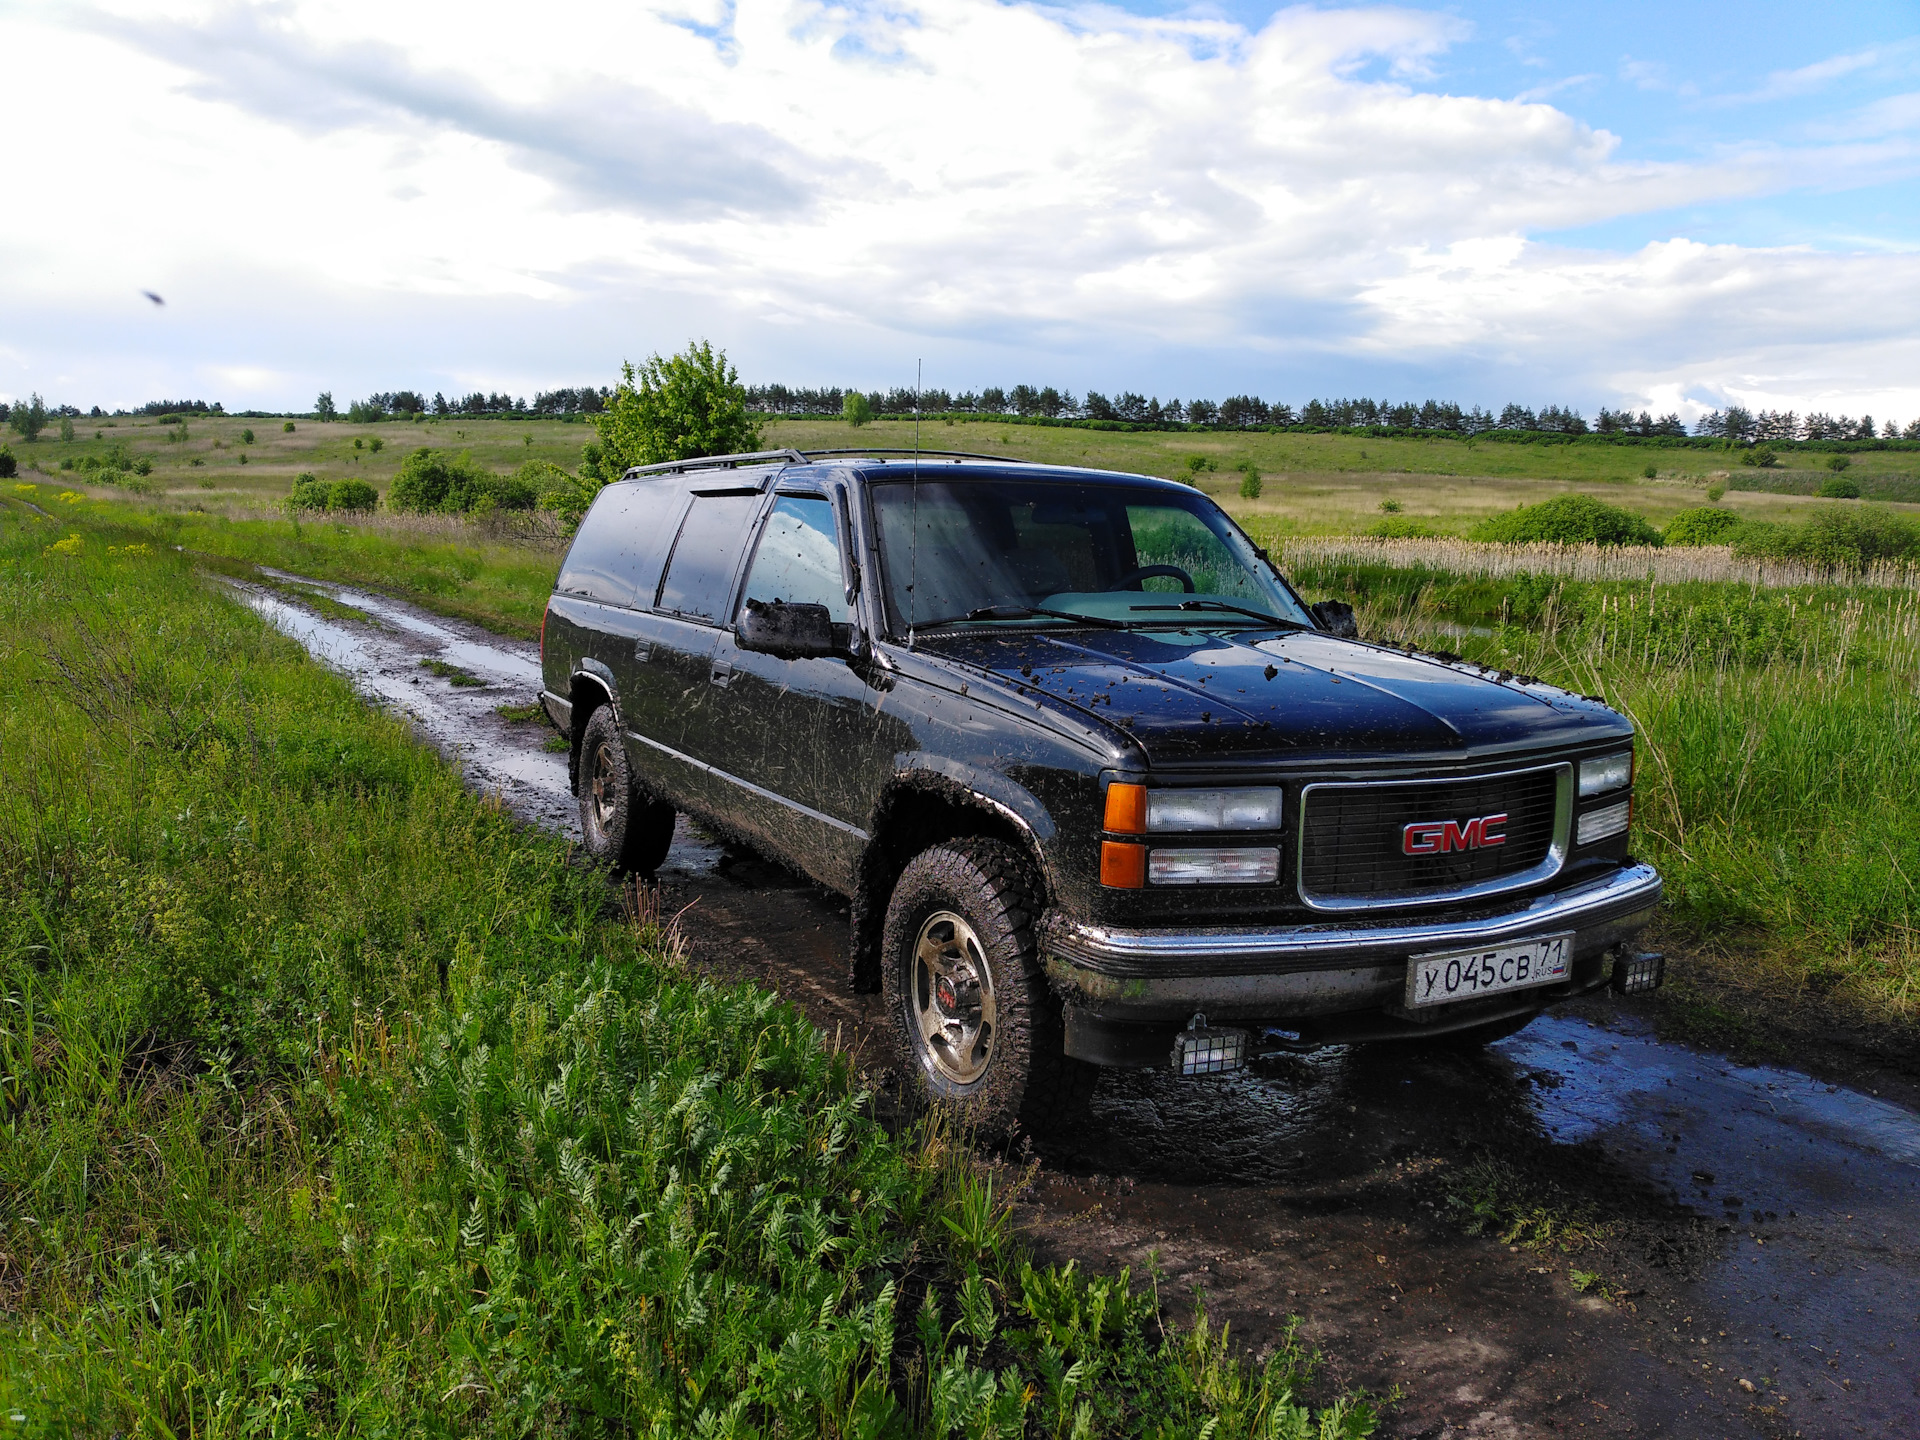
(1686, 1223)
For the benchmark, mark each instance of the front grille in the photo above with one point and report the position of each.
(1351, 836)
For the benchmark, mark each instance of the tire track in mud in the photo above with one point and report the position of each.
(1750, 1232)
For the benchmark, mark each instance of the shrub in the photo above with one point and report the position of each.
(287, 428)
(1250, 482)
(1651, 471)
(1568, 520)
(1389, 506)
(9, 467)
(1838, 487)
(358, 443)
(1839, 462)
(1401, 527)
(376, 444)
(856, 409)
(1842, 539)
(430, 480)
(243, 457)
(1704, 526)
(66, 429)
(143, 466)
(309, 493)
(352, 495)
(246, 437)
(1714, 492)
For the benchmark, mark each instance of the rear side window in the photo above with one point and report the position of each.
(700, 574)
(616, 557)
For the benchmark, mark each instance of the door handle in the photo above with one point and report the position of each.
(721, 673)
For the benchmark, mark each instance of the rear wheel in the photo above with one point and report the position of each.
(967, 1005)
(624, 827)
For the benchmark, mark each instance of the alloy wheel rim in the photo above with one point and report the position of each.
(601, 785)
(952, 998)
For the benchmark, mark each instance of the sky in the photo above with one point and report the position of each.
(1673, 207)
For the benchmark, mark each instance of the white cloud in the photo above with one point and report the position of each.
(329, 189)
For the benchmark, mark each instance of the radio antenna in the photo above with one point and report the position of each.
(913, 548)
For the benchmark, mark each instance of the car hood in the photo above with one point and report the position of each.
(1191, 694)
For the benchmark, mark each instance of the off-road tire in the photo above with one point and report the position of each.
(625, 828)
(1027, 1079)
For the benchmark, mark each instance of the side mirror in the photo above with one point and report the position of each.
(1336, 618)
(788, 632)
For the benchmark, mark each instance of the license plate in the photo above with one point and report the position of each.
(1469, 974)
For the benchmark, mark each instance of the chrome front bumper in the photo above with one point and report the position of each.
(1318, 969)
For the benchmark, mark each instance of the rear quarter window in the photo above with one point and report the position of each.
(616, 557)
(706, 554)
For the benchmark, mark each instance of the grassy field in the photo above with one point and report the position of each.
(1313, 484)
(332, 1101)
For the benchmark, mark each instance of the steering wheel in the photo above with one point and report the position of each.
(1147, 572)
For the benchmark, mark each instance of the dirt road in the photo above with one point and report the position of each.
(1740, 1250)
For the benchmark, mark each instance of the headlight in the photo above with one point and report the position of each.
(1259, 865)
(1254, 809)
(1599, 824)
(1606, 772)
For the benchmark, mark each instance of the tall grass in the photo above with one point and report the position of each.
(1779, 758)
(332, 1101)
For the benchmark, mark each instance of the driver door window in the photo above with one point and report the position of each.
(799, 558)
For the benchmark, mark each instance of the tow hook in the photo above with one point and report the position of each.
(1638, 972)
(1201, 1049)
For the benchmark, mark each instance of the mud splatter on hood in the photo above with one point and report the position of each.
(1190, 693)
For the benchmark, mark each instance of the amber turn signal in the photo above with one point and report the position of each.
(1127, 809)
(1123, 867)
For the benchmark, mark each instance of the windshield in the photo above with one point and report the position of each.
(1001, 549)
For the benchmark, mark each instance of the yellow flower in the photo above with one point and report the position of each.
(70, 497)
(68, 546)
(26, 489)
(137, 548)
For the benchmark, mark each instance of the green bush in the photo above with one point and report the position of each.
(431, 480)
(1250, 482)
(1651, 471)
(1704, 526)
(1401, 527)
(1839, 462)
(1714, 492)
(287, 428)
(1835, 538)
(9, 467)
(1567, 520)
(246, 437)
(352, 495)
(376, 444)
(1389, 506)
(309, 493)
(855, 409)
(1838, 487)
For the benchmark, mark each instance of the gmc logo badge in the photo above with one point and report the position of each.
(1439, 837)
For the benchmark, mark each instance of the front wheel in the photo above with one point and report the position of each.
(624, 827)
(967, 1005)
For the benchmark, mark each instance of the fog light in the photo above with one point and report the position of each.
(1599, 824)
(1254, 865)
(1203, 1050)
(1638, 972)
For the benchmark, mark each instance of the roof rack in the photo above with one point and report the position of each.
(796, 457)
(716, 462)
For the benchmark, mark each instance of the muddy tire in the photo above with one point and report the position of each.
(973, 1024)
(625, 828)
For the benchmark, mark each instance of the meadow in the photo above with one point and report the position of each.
(334, 1101)
(1756, 683)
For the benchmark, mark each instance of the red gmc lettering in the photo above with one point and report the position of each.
(1440, 837)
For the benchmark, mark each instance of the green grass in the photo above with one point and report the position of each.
(334, 1102)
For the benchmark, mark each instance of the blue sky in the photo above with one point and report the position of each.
(1667, 206)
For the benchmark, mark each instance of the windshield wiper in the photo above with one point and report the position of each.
(1218, 605)
(1024, 612)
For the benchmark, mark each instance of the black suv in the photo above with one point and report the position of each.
(1100, 786)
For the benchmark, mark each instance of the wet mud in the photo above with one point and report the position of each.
(1583, 1229)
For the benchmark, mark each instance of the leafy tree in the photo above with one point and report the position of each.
(855, 409)
(66, 429)
(323, 407)
(28, 420)
(1250, 482)
(677, 408)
